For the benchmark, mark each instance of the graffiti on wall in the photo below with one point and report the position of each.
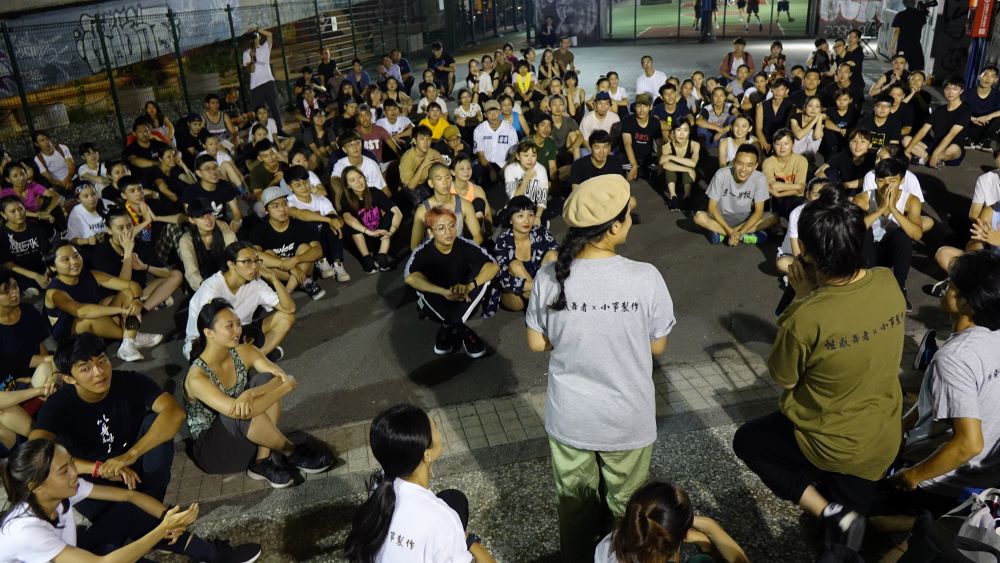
(837, 17)
(131, 34)
(572, 17)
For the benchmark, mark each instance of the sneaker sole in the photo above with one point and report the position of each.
(258, 477)
(151, 344)
(441, 352)
(318, 296)
(327, 275)
(313, 471)
(136, 358)
(473, 355)
(343, 279)
(255, 557)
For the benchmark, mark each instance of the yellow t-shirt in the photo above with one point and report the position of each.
(841, 347)
(436, 130)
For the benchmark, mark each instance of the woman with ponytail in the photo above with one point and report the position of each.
(603, 317)
(38, 523)
(402, 520)
(658, 520)
(233, 415)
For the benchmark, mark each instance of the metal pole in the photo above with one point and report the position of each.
(611, 20)
(18, 80)
(513, 7)
(284, 52)
(319, 25)
(350, 14)
(111, 78)
(472, 20)
(236, 56)
(172, 17)
(725, 11)
(496, 18)
(529, 19)
(770, 27)
(635, 21)
(679, 15)
(381, 29)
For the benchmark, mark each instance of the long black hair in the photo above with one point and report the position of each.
(206, 318)
(576, 239)
(399, 437)
(27, 467)
(210, 258)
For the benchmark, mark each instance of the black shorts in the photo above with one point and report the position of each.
(753, 7)
(783, 5)
(224, 448)
(933, 143)
(741, 4)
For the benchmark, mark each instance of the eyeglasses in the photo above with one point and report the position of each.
(250, 261)
(444, 228)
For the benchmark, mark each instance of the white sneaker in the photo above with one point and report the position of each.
(147, 340)
(325, 269)
(342, 275)
(127, 352)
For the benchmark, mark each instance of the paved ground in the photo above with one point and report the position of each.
(362, 349)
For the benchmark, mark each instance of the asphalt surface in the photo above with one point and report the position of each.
(362, 347)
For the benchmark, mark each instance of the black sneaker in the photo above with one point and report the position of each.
(938, 289)
(309, 461)
(368, 264)
(842, 526)
(383, 261)
(928, 347)
(444, 344)
(473, 345)
(314, 291)
(266, 470)
(909, 306)
(276, 354)
(227, 553)
(672, 202)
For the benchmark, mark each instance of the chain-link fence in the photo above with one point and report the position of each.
(659, 19)
(87, 80)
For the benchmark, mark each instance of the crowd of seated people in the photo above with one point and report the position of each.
(230, 212)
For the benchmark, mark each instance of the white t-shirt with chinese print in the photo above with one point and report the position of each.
(423, 529)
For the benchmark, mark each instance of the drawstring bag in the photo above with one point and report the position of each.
(975, 541)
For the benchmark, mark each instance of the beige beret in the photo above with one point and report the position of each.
(597, 201)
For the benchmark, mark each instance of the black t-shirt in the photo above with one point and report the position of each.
(327, 70)
(173, 180)
(942, 120)
(671, 118)
(374, 217)
(18, 342)
(153, 152)
(283, 244)
(583, 169)
(843, 168)
(25, 248)
(643, 138)
(106, 260)
(981, 106)
(102, 430)
(905, 115)
(445, 270)
(846, 121)
(799, 97)
(434, 62)
(220, 197)
(890, 131)
(188, 144)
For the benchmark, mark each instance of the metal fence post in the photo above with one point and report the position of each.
(99, 21)
(696, 3)
(381, 29)
(172, 17)
(354, 38)
(319, 25)
(284, 52)
(529, 19)
(635, 21)
(770, 27)
(236, 56)
(496, 19)
(406, 29)
(18, 81)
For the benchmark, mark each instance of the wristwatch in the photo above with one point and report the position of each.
(471, 539)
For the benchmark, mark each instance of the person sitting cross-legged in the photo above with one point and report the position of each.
(233, 416)
(266, 309)
(288, 245)
(373, 217)
(736, 199)
(118, 425)
(951, 435)
(44, 488)
(75, 303)
(521, 251)
(452, 278)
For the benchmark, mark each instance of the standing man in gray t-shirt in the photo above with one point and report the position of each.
(736, 199)
(952, 435)
(603, 319)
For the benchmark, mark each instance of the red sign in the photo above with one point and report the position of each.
(981, 19)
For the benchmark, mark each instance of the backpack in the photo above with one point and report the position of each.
(954, 538)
